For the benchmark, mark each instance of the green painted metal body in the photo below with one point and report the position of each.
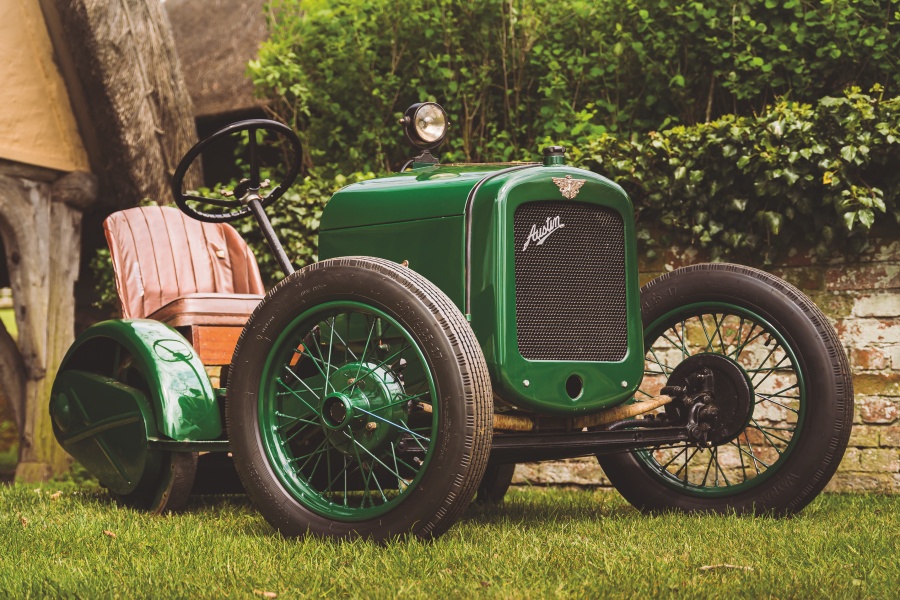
(400, 241)
(110, 437)
(175, 383)
(418, 216)
(421, 216)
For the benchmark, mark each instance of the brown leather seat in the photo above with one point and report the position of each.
(208, 309)
(180, 271)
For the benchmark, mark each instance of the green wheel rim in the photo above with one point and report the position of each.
(347, 414)
(779, 400)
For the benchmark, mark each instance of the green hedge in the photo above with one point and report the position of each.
(797, 175)
(516, 74)
(746, 187)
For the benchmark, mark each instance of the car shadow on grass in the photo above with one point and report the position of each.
(535, 506)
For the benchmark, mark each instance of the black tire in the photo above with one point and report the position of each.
(216, 475)
(797, 456)
(166, 488)
(495, 484)
(450, 363)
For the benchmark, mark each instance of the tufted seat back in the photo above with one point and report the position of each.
(174, 266)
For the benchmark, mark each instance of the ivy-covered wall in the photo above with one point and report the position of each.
(861, 297)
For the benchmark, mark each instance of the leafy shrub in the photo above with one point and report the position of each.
(796, 175)
(515, 74)
(104, 279)
(602, 76)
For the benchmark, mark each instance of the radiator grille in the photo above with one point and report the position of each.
(570, 282)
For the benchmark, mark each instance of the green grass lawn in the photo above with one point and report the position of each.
(8, 460)
(8, 317)
(541, 543)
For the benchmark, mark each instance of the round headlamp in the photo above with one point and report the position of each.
(425, 125)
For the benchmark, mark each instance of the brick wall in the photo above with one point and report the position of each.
(862, 300)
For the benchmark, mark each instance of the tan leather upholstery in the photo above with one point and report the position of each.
(207, 309)
(177, 270)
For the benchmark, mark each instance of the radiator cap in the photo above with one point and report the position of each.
(554, 155)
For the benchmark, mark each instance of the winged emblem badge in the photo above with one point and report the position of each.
(568, 186)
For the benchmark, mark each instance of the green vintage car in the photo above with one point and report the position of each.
(461, 319)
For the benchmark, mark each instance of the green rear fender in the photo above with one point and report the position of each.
(180, 394)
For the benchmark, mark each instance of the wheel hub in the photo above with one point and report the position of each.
(360, 407)
(337, 411)
(713, 394)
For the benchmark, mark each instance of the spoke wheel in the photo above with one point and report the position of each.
(347, 410)
(778, 404)
(800, 411)
(359, 404)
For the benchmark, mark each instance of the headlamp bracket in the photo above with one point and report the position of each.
(426, 159)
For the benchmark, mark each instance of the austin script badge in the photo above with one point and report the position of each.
(568, 186)
(540, 234)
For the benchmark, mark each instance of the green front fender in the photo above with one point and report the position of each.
(182, 398)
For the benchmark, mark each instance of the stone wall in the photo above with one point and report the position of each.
(862, 300)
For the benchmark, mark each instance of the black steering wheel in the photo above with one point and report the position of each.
(238, 206)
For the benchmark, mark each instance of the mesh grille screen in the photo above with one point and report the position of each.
(570, 282)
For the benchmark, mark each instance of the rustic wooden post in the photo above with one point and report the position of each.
(40, 224)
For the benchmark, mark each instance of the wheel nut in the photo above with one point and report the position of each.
(371, 426)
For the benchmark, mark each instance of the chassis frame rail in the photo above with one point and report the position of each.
(530, 447)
